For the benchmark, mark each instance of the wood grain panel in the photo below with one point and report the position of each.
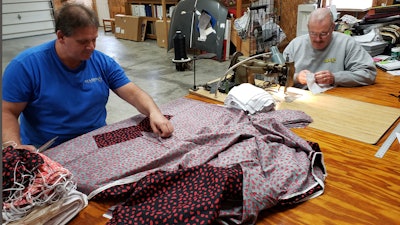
(379, 93)
(93, 213)
(288, 19)
(353, 119)
(116, 7)
(360, 189)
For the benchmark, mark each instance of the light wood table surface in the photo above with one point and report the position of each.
(360, 188)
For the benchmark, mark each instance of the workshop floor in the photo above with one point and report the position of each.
(146, 64)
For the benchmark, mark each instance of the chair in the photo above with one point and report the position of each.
(109, 25)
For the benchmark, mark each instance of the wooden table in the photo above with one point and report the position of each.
(360, 188)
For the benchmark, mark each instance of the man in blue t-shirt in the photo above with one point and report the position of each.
(61, 88)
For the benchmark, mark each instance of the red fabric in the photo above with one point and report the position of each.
(18, 162)
(124, 134)
(186, 196)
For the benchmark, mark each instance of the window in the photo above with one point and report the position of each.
(350, 4)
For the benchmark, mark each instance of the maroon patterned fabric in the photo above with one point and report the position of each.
(186, 196)
(117, 136)
(16, 164)
(124, 134)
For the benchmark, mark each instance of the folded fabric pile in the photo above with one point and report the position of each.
(250, 98)
(37, 190)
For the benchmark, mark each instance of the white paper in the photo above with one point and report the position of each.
(366, 37)
(394, 72)
(389, 65)
(349, 19)
(314, 87)
(381, 57)
(398, 136)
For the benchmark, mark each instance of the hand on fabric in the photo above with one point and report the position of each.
(316, 88)
(302, 76)
(324, 77)
(161, 125)
(27, 147)
(19, 146)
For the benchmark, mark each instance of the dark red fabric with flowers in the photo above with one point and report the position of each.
(188, 196)
(124, 134)
(16, 164)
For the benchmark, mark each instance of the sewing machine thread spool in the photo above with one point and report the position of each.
(181, 60)
(179, 46)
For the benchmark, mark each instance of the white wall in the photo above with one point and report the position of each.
(102, 10)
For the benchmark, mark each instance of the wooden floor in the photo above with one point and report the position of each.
(360, 188)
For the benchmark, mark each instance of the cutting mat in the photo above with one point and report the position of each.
(353, 119)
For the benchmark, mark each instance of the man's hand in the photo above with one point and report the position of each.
(19, 146)
(161, 125)
(27, 147)
(302, 76)
(324, 77)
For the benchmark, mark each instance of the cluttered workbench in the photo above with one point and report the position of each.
(360, 188)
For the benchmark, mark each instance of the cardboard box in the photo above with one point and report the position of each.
(130, 27)
(162, 34)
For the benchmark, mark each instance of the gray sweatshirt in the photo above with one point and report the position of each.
(349, 62)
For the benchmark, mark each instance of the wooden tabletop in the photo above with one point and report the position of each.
(360, 188)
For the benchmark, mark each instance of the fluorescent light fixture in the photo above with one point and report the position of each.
(351, 4)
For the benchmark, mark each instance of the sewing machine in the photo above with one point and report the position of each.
(245, 70)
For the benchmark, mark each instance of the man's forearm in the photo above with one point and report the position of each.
(146, 105)
(10, 130)
(138, 98)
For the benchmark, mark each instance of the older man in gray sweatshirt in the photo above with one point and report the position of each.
(333, 58)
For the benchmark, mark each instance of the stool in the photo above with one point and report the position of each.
(109, 25)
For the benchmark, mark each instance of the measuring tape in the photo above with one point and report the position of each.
(389, 141)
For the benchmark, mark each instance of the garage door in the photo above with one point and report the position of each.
(23, 18)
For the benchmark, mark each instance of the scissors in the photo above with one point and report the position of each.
(46, 145)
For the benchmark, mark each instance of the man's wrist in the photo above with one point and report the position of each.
(8, 143)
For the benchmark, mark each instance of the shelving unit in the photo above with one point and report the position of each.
(150, 33)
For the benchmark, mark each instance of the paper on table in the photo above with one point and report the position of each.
(389, 65)
(379, 58)
(394, 72)
(398, 136)
(366, 37)
(314, 87)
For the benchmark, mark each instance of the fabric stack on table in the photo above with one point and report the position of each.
(38, 190)
(250, 98)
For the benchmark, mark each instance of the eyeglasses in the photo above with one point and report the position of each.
(320, 35)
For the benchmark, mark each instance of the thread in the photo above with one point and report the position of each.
(179, 46)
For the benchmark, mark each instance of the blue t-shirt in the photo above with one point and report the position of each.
(61, 102)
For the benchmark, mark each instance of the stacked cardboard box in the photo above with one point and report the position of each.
(130, 27)
(162, 34)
